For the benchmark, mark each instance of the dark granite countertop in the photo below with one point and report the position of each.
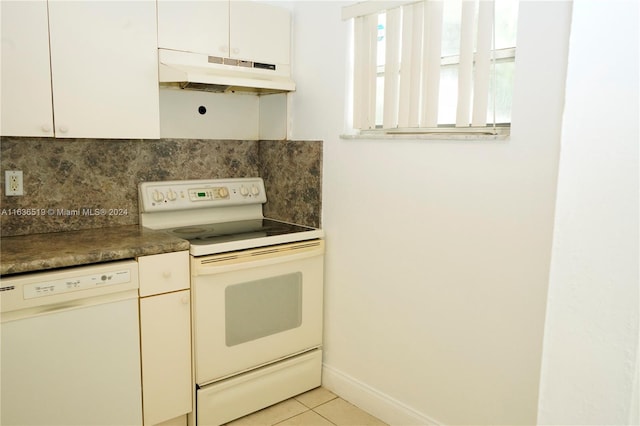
(37, 252)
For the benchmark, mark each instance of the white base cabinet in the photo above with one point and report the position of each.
(165, 336)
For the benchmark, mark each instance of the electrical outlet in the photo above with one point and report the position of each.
(13, 182)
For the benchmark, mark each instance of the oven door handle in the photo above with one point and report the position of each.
(264, 256)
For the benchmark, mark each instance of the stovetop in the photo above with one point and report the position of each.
(235, 231)
(224, 237)
(216, 216)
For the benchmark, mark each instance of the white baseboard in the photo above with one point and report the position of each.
(374, 402)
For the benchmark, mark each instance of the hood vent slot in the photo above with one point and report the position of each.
(200, 87)
(240, 63)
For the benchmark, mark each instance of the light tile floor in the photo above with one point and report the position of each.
(318, 407)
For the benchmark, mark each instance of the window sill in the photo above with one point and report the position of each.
(501, 133)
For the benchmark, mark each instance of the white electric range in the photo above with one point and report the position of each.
(256, 293)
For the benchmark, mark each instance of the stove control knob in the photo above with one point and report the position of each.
(157, 196)
(171, 195)
(244, 191)
(223, 192)
(255, 191)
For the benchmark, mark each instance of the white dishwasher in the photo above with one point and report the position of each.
(70, 347)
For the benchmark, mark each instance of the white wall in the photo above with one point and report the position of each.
(438, 252)
(226, 115)
(591, 339)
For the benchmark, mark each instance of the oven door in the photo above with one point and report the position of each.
(255, 306)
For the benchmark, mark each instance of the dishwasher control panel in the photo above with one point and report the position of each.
(75, 283)
(68, 287)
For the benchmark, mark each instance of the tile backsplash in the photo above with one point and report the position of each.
(72, 184)
(292, 174)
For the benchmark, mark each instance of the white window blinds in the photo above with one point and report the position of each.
(431, 64)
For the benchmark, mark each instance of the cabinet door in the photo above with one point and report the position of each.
(104, 68)
(259, 32)
(165, 336)
(194, 26)
(25, 87)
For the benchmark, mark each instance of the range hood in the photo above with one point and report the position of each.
(195, 71)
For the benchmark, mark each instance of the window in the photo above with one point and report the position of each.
(433, 66)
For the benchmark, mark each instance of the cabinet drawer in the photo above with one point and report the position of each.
(163, 273)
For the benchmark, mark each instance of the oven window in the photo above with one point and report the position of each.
(263, 307)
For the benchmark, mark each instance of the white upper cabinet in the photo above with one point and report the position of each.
(194, 26)
(237, 29)
(103, 69)
(25, 85)
(259, 32)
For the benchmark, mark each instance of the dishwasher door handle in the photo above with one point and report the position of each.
(68, 305)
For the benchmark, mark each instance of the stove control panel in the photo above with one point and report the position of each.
(207, 194)
(194, 194)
